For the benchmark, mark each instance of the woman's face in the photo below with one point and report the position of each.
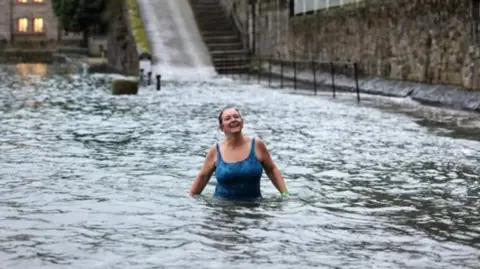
(232, 121)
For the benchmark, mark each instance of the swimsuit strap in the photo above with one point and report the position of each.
(219, 155)
(252, 150)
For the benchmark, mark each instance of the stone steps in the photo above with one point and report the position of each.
(225, 46)
(232, 69)
(221, 36)
(231, 64)
(217, 25)
(230, 61)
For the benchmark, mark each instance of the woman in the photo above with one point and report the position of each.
(238, 163)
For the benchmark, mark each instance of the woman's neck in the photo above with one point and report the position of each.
(235, 140)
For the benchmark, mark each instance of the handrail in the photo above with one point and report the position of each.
(256, 65)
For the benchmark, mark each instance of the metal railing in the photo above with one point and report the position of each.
(306, 74)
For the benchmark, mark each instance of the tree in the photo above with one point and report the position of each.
(79, 15)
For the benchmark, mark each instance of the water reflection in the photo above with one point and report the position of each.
(94, 180)
(29, 69)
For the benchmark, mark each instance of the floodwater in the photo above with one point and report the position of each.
(91, 180)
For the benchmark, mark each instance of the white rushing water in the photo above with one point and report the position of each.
(177, 46)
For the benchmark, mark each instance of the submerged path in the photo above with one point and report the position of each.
(91, 180)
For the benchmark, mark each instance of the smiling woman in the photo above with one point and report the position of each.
(238, 163)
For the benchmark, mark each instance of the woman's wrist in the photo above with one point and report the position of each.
(284, 193)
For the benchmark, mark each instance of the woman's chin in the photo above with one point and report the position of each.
(236, 130)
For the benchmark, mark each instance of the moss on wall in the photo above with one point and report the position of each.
(137, 26)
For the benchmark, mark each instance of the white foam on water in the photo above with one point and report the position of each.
(184, 73)
(102, 75)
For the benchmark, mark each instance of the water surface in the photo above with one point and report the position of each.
(91, 180)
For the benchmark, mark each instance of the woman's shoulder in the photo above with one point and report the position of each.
(258, 140)
(212, 150)
(260, 146)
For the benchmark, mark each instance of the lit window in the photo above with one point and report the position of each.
(22, 1)
(22, 25)
(38, 25)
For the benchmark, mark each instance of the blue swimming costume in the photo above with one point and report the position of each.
(238, 180)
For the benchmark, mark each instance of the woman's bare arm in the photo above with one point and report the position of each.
(205, 172)
(270, 167)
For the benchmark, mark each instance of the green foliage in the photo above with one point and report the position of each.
(78, 15)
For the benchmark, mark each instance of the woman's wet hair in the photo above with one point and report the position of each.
(221, 113)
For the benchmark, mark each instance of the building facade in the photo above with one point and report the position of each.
(31, 24)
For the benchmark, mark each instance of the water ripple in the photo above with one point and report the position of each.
(91, 180)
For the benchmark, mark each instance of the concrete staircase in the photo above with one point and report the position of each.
(221, 36)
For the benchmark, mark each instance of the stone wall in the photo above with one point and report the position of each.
(36, 10)
(4, 23)
(122, 54)
(430, 41)
(10, 12)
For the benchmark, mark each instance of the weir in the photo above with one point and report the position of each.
(178, 49)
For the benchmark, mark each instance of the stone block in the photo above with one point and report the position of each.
(125, 86)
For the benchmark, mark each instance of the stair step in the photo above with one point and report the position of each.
(220, 34)
(219, 52)
(232, 69)
(239, 58)
(213, 33)
(208, 7)
(209, 12)
(225, 46)
(222, 37)
(215, 12)
(215, 25)
(226, 30)
(233, 65)
(229, 63)
(212, 17)
(214, 20)
(197, 2)
(219, 41)
(230, 59)
(225, 41)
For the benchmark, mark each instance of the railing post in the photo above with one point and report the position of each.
(355, 67)
(230, 63)
(332, 71)
(281, 74)
(158, 82)
(225, 65)
(295, 74)
(249, 68)
(269, 72)
(259, 72)
(314, 69)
